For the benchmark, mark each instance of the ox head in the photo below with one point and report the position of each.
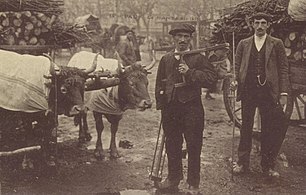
(68, 86)
(133, 88)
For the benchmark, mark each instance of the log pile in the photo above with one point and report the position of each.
(28, 22)
(239, 20)
(50, 7)
(25, 28)
(292, 33)
(66, 35)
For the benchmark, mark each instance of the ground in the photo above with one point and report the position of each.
(78, 172)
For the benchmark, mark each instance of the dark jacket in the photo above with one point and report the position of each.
(276, 65)
(126, 52)
(200, 74)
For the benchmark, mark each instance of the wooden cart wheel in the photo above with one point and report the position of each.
(229, 95)
(298, 108)
(230, 102)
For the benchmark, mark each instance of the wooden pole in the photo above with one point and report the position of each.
(234, 107)
(18, 151)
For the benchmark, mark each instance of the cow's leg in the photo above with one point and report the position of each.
(49, 141)
(81, 120)
(78, 119)
(28, 138)
(99, 154)
(88, 137)
(114, 120)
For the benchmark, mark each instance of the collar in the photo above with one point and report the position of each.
(178, 56)
(263, 38)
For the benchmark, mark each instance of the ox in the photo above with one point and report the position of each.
(130, 93)
(28, 90)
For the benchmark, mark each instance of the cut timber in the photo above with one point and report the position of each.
(29, 26)
(287, 42)
(17, 22)
(22, 42)
(33, 41)
(292, 36)
(9, 40)
(5, 22)
(18, 151)
(288, 51)
(297, 55)
(27, 14)
(37, 31)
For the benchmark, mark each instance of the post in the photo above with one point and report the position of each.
(234, 107)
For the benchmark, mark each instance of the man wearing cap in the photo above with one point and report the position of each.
(263, 83)
(181, 107)
(125, 48)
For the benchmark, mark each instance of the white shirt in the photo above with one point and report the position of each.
(259, 41)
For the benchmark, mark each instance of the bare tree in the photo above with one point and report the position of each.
(139, 10)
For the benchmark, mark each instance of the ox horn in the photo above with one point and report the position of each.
(152, 64)
(52, 65)
(93, 66)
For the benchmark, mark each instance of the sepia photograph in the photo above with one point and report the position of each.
(152, 97)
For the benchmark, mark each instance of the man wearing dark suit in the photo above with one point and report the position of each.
(263, 83)
(181, 107)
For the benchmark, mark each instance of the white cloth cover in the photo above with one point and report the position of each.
(105, 101)
(297, 10)
(84, 60)
(22, 85)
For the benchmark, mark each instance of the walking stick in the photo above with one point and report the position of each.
(233, 111)
(159, 157)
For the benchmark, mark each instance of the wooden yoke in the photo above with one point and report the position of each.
(205, 49)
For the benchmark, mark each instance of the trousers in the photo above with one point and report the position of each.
(273, 126)
(184, 121)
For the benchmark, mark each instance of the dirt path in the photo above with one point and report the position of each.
(80, 173)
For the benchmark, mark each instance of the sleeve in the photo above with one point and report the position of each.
(160, 84)
(284, 82)
(203, 74)
(238, 59)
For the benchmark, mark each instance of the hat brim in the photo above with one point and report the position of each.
(175, 31)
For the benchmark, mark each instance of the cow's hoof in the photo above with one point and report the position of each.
(99, 155)
(88, 137)
(82, 140)
(82, 145)
(114, 155)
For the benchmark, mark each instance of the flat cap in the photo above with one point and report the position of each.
(260, 15)
(182, 27)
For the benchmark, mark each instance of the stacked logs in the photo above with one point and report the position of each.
(25, 28)
(239, 20)
(67, 36)
(293, 36)
(293, 33)
(28, 22)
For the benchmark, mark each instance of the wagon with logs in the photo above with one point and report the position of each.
(26, 27)
(288, 24)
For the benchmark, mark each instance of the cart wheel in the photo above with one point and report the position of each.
(228, 98)
(230, 102)
(297, 105)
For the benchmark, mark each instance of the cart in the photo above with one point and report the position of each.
(295, 109)
(13, 122)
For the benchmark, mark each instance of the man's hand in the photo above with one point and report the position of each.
(183, 68)
(283, 101)
(233, 85)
